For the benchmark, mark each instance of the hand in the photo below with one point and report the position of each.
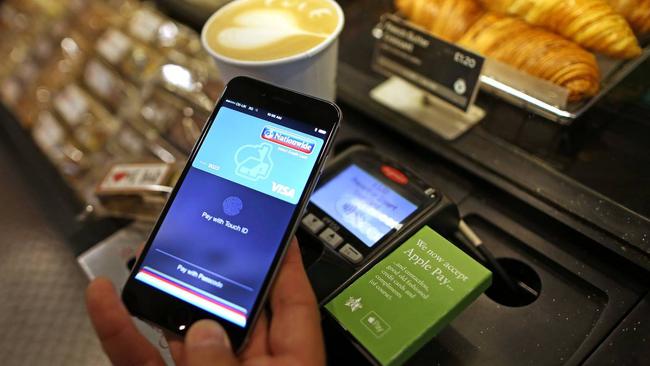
(290, 336)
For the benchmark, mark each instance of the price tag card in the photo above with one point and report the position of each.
(137, 177)
(436, 66)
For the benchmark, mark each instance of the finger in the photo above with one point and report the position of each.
(258, 344)
(176, 346)
(119, 337)
(295, 321)
(139, 250)
(176, 349)
(206, 343)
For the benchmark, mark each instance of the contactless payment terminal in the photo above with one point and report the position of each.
(362, 198)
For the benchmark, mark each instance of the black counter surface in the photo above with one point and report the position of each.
(586, 295)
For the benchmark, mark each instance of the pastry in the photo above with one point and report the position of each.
(536, 52)
(593, 24)
(446, 19)
(636, 12)
(510, 40)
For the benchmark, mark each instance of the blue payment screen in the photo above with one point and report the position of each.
(368, 208)
(221, 233)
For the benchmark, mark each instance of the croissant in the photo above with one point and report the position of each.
(637, 13)
(447, 19)
(590, 23)
(536, 52)
(509, 40)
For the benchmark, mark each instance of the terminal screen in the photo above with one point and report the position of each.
(366, 207)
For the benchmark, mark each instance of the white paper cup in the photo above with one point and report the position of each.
(311, 72)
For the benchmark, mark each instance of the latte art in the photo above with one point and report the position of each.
(261, 30)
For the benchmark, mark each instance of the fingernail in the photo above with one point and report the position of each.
(207, 333)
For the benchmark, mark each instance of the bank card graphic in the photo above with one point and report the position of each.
(261, 155)
(254, 161)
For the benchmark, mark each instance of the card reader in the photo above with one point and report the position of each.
(363, 198)
(362, 202)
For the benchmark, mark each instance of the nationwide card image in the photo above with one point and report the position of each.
(259, 154)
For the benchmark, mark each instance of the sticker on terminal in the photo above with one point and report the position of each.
(287, 139)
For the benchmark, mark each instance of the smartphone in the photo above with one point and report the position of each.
(221, 236)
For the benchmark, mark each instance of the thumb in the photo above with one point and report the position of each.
(207, 344)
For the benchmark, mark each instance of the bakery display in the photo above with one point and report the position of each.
(593, 24)
(446, 19)
(510, 40)
(636, 12)
(535, 51)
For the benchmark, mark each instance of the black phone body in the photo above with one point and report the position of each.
(218, 243)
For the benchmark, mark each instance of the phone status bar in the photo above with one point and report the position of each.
(274, 117)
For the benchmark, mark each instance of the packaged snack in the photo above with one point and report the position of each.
(136, 61)
(183, 135)
(108, 86)
(196, 85)
(151, 27)
(91, 124)
(135, 190)
(50, 136)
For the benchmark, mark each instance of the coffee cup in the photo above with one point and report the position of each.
(291, 43)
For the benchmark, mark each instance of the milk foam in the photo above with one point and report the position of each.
(262, 30)
(261, 27)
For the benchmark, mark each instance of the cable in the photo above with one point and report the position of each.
(470, 236)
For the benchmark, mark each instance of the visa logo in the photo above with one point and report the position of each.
(283, 190)
(287, 139)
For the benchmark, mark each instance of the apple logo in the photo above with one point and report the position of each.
(232, 206)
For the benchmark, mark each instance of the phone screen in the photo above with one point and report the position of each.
(368, 208)
(217, 242)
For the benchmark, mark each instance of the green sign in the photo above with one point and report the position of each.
(408, 297)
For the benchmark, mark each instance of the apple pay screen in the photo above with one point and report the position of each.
(223, 229)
